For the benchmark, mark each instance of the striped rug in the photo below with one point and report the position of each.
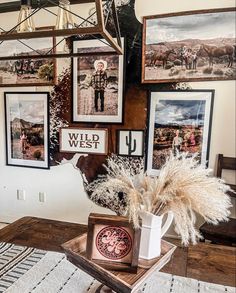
(15, 261)
(29, 270)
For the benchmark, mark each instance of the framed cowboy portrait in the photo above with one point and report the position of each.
(179, 121)
(97, 82)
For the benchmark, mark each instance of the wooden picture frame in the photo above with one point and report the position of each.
(124, 253)
(93, 103)
(13, 69)
(27, 129)
(84, 140)
(183, 46)
(179, 121)
(125, 147)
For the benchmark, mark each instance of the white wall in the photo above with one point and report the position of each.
(66, 199)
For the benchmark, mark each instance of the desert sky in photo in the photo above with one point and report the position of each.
(30, 111)
(9, 48)
(169, 112)
(195, 26)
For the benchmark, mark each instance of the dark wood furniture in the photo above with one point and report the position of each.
(225, 232)
(206, 262)
(120, 282)
(226, 163)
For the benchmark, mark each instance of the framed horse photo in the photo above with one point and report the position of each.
(28, 71)
(189, 46)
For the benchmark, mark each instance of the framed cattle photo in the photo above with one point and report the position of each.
(189, 46)
(113, 242)
(28, 71)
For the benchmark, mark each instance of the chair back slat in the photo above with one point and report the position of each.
(223, 233)
(228, 163)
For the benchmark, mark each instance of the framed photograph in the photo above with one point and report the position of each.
(189, 46)
(97, 82)
(112, 242)
(86, 140)
(27, 72)
(27, 129)
(179, 121)
(130, 142)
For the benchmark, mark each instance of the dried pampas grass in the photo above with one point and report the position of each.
(183, 186)
(111, 190)
(188, 188)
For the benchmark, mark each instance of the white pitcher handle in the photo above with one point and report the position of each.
(167, 224)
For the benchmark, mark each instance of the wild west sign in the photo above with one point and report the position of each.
(92, 141)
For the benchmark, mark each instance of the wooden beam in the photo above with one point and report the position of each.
(99, 10)
(65, 32)
(112, 42)
(56, 55)
(116, 22)
(50, 33)
(15, 5)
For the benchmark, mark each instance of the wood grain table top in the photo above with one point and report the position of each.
(206, 262)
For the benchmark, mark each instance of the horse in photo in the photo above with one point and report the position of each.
(217, 52)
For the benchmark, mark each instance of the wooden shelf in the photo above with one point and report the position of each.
(120, 282)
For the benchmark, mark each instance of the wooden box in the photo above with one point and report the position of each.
(113, 242)
(120, 282)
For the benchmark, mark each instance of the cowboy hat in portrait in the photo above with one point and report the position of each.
(100, 61)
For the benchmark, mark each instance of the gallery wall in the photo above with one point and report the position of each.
(63, 185)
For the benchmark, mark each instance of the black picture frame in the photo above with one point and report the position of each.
(95, 48)
(121, 150)
(27, 129)
(162, 128)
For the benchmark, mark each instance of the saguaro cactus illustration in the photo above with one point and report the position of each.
(129, 141)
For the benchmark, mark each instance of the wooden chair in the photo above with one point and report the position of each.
(225, 232)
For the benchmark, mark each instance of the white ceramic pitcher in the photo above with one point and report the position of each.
(152, 231)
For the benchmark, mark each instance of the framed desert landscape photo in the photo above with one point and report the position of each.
(113, 242)
(179, 121)
(97, 82)
(189, 46)
(27, 129)
(27, 72)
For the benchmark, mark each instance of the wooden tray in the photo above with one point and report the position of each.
(120, 282)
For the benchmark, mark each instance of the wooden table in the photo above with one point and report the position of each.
(206, 262)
